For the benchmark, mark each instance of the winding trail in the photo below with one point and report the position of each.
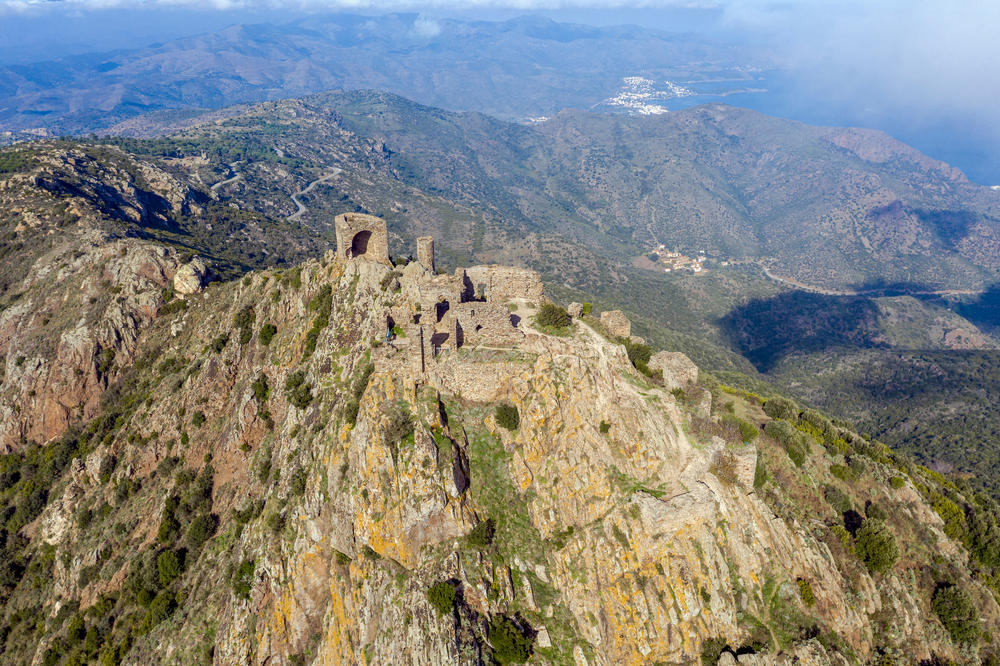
(221, 183)
(294, 217)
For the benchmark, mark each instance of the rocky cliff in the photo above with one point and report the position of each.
(260, 473)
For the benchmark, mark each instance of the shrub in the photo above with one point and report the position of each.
(605, 427)
(837, 498)
(201, 530)
(399, 426)
(198, 419)
(242, 579)
(781, 408)
(876, 546)
(507, 416)
(219, 343)
(954, 607)
(551, 315)
(806, 592)
(261, 391)
(168, 566)
(297, 486)
(748, 431)
(511, 644)
(266, 333)
(587, 307)
(482, 534)
(793, 441)
(243, 320)
(712, 649)
(299, 392)
(842, 472)
(759, 473)
(638, 354)
(897, 482)
(442, 597)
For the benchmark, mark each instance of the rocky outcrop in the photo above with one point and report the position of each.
(190, 278)
(616, 323)
(678, 370)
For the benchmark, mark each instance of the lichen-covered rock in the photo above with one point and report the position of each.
(678, 370)
(190, 278)
(616, 323)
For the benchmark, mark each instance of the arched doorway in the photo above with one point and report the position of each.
(359, 244)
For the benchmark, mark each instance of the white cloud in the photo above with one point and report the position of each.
(426, 27)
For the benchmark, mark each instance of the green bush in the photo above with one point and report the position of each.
(806, 592)
(551, 315)
(759, 473)
(168, 566)
(219, 343)
(837, 498)
(587, 307)
(781, 408)
(507, 416)
(198, 419)
(748, 431)
(712, 649)
(482, 534)
(876, 546)
(605, 427)
(266, 333)
(442, 597)
(842, 472)
(954, 607)
(793, 441)
(261, 391)
(243, 320)
(242, 579)
(298, 391)
(297, 486)
(200, 530)
(897, 482)
(399, 425)
(511, 644)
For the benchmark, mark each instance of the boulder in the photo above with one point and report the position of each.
(575, 310)
(190, 278)
(678, 370)
(616, 323)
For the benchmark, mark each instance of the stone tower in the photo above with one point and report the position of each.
(361, 236)
(425, 252)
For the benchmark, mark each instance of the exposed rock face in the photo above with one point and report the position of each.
(616, 323)
(575, 310)
(190, 278)
(77, 324)
(678, 370)
(346, 479)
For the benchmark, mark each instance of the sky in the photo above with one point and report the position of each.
(916, 65)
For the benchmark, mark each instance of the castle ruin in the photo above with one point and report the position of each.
(443, 312)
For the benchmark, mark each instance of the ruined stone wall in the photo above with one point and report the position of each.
(501, 283)
(486, 324)
(361, 236)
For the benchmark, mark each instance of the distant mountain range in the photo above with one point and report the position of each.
(515, 69)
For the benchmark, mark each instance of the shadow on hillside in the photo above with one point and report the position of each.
(767, 330)
(984, 311)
